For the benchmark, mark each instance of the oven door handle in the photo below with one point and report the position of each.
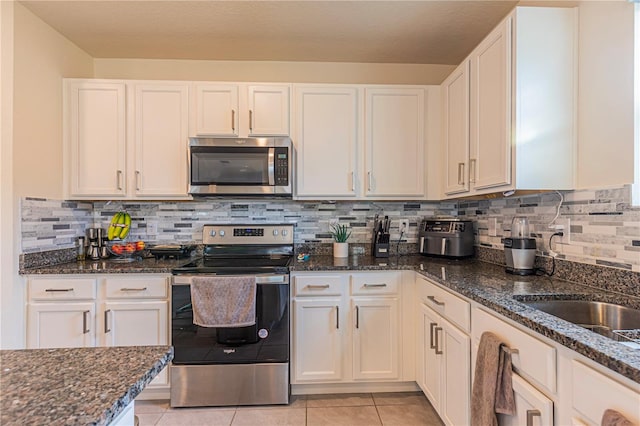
(271, 279)
(272, 166)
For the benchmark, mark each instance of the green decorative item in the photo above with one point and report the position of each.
(340, 233)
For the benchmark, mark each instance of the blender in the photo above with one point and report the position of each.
(520, 248)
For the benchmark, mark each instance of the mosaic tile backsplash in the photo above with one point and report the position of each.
(605, 229)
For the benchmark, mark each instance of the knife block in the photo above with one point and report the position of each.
(381, 250)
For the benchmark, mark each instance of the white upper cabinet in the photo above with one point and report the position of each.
(326, 138)
(95, 139)
(216, 110)
(394, 142)
(521, 107)
(231, 110)
(161, 131)
(125, 140)
(455, 104)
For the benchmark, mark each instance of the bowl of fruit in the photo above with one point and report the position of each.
(119, 246)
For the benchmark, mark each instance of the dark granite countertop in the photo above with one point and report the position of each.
(79, 386)
(138, 266)
(491, 286)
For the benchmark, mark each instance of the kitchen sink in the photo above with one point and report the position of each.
(616, 322)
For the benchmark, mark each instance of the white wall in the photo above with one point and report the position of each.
(293, 72)
(34, 58)
(605, 102)
(42, 57)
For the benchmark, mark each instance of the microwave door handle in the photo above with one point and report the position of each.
(272, 166)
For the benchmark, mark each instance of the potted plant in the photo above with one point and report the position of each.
(340, 235)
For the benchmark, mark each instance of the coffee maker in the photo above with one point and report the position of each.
(95, 241)
(520, 248)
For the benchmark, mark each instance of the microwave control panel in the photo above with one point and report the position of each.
(281, 166)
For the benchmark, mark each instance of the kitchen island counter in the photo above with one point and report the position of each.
(78, 386)
(489, 285)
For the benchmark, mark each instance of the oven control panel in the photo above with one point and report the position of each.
(248, 234)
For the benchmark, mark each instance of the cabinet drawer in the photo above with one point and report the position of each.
(62, 288)
(136, 288)
(374, 283)
(318, 285)
(450, 306)
(588, 388)
(535, 359)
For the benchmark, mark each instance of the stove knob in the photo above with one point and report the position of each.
(275, 232)
(284, 232)
(212, 233)
(221, 233)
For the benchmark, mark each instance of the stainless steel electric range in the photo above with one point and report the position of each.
(240, 365)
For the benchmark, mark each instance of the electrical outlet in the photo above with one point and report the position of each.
(404, 225)
(152, 228)
(563, 225)
(493, 227)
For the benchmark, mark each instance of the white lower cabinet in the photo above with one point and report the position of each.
(128, 310)
(443, 358)
(533, 408)
(346, 327)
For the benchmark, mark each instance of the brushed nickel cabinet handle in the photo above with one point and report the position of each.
(436, 301)
(438, 351)
(133, 289)
(531, 414)
(357, 316)
(119, 178)
(106, 321)
(460, 173)
(353, 182)
(431, 344)
(472, 170)
(370, 182)
(375, 285)
(251, 120)
(317, 286)
(233, 120)
(58, 290)
(137, 180)
(85, 322)
(337, 317)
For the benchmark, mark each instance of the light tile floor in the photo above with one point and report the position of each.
(366, 409)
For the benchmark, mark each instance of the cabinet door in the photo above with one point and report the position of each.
(456, 369)
(137, 324)
(268, 110)
(532, 407)
(430, 362)
(216, 110)
(490, 115)
(326, 141)
(455, 99)
(376, 330)
(317, 340)
(95, 140)
(394, 148)
(61, 325)
(161, 120)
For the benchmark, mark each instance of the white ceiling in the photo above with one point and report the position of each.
(418, 32)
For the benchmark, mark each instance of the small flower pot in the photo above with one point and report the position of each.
(340, 249)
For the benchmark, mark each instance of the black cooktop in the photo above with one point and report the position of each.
(236, 265)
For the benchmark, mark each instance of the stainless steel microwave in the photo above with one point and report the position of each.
(241, 166)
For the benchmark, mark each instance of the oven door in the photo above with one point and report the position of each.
(265, 342)
(256, 166)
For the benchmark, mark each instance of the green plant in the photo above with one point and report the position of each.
(340, 233)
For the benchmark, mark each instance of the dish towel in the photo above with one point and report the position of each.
(223, 301)
(492, 390)
(614, 418)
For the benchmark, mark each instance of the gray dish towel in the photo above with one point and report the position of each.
(614, 418)
(492, 386)
(224, 301)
